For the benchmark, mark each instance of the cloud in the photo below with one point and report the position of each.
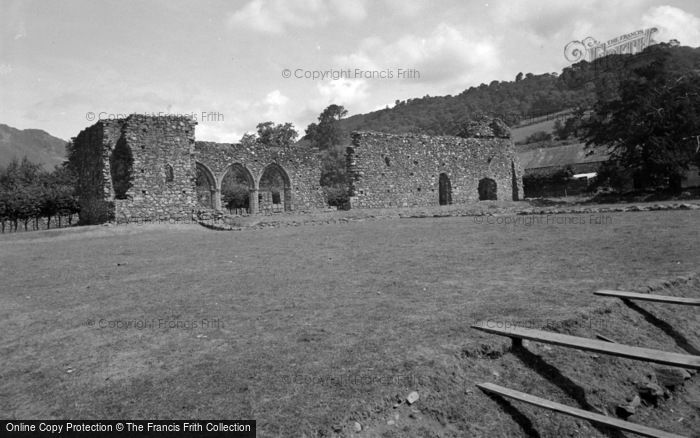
(545, 23)
(275, 16)
(349, 10)
(344, 92)
(217, 132)
(21, 31)
(275, 98)
(407, 8)
(5, 69)
(673, 23)
(447, 56)
(275, 103)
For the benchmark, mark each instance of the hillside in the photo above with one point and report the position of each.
(37, 145)
(527, 96)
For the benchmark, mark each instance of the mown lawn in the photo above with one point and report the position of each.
(304, 329)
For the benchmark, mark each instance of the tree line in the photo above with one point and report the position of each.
(29, 193)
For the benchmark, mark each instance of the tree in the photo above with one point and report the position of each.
(4, 208)
(235, 192)
(327, 132)
(21, 198)
(235, 195)
(19, 174)
(572, 126)
(278, 135)
(48, 204)
(27, 201)
(249, 140)
(28, 192)
(57, 194)
(327, 135)
(651, 128)
(539, 137)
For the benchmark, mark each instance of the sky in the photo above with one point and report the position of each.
(64, 64)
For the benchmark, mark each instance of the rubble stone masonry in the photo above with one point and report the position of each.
(145, 168)
(387, 170)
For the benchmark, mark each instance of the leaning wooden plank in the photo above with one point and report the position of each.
(575, 412)
(605, 338)
(621, 350)
(649, 297)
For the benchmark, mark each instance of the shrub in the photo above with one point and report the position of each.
(538, 137)
(336, 196)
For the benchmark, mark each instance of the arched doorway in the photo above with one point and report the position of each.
(205, 186)
(445, 190)
(487, 190)
(237, 187)
(121, 165)
(275, 193)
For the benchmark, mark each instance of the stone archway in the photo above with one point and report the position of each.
(487, 190)
(238, 191)
(206, 189)
(445, 189)
(275, 190)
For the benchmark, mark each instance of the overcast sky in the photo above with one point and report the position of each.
(62, 60)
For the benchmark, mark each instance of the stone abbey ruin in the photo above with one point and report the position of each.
(388, 170)
(147, 168)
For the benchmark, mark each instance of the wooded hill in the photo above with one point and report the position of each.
(529, 95)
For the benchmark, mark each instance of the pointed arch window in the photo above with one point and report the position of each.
(169, 173)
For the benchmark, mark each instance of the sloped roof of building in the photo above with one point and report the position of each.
(561, 156)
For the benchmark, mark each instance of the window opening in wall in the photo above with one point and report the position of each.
(169, 173)
(445, 190)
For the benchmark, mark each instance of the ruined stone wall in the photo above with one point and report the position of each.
(154, 143)
(163, 158)
(302, 168)
(145, 168)
(92, 149)
(387, 170)
(158, 142)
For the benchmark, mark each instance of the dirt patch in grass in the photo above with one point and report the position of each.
(311, 329)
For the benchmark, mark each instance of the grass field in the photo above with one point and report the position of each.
(309, 329)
